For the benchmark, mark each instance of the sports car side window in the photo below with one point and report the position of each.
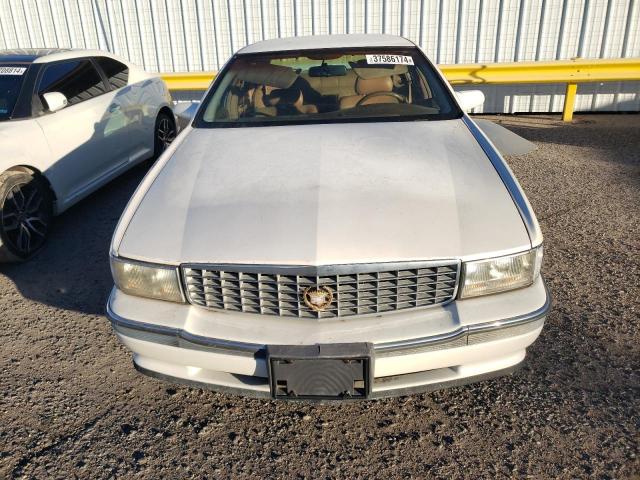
(117, 73)
(78, 80)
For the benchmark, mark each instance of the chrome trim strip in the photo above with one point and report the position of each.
(418, 343)
(180, 338)
(509, 180)
(322, 270)
(427, 342)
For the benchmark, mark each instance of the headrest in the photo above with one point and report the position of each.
(283, 97)
(373, 85)
(277, 76)
(378, 71)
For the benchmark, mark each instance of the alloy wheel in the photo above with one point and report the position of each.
(24, 220)
(165, 133)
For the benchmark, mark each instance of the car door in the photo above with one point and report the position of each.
(124, 126)
(76, 134)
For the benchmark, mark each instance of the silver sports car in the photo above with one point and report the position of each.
(332, 225)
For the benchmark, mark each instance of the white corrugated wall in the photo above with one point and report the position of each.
(194, 35)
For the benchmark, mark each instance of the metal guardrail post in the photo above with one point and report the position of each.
(569, 102)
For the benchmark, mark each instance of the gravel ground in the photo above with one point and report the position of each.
(72, 405)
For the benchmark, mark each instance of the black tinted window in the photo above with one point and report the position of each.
(11, 78)
(117, 73)
(78, 80)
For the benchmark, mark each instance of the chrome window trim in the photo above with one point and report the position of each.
(509, 181)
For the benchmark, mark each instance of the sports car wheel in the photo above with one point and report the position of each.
(25, 215)
(165, 133)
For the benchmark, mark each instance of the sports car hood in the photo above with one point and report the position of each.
(325, 194)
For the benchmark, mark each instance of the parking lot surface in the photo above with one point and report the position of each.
(71, 403)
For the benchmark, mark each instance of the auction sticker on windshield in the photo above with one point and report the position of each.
(389, 59)
(12, 70)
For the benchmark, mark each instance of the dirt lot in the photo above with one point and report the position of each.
(72, 405)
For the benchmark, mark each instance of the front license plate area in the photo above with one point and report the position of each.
(339, 371)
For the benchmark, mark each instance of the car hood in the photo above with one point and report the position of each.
(325, 194)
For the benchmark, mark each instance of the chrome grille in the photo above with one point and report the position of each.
(357, 289)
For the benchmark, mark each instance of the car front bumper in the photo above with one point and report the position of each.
(414, 351)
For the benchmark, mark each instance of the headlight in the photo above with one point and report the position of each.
(146, 280)
(483, 277)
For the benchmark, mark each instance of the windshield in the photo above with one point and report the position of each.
(314, 86)
(11, 77)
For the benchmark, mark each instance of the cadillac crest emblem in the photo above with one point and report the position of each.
(318, 298)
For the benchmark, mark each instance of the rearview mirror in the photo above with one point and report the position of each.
(55, 101)
(469, 99)
(325, 70)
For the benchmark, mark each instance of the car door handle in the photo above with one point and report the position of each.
(113, 107)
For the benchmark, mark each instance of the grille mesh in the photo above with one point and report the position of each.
(267, 291)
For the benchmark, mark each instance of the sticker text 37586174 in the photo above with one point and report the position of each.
(385, 59)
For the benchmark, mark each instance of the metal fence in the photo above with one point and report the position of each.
(196, 35)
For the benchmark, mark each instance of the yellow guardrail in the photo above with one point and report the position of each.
(188, 81)
(571, 72)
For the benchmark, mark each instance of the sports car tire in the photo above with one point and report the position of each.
(164, 133)
(25, 215)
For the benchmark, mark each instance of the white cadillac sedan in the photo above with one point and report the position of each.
(70, 121)
(331, 226)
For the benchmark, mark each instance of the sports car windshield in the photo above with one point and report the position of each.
(11, 77)
(326, 86)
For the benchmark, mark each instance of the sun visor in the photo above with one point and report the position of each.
(507, 142)
(277, 76)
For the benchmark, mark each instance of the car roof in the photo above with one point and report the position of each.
(27, 55)
(44, 55)
(314, 42)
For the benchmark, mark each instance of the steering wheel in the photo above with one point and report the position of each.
(258, 113)
(397, 96)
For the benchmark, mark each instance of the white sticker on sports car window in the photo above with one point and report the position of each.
(12, 70)
(385, 59)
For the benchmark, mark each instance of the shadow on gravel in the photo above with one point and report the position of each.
(586, 130)
(72, 270)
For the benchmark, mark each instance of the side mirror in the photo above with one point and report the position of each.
(469, 99)
(507, 142)
(55, 101)
(184, 112)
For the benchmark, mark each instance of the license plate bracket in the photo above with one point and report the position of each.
(340, 371)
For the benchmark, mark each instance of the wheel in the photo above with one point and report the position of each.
(164, 134)
(25, 215)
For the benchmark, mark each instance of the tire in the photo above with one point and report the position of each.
(164, 133)
(25, 215)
